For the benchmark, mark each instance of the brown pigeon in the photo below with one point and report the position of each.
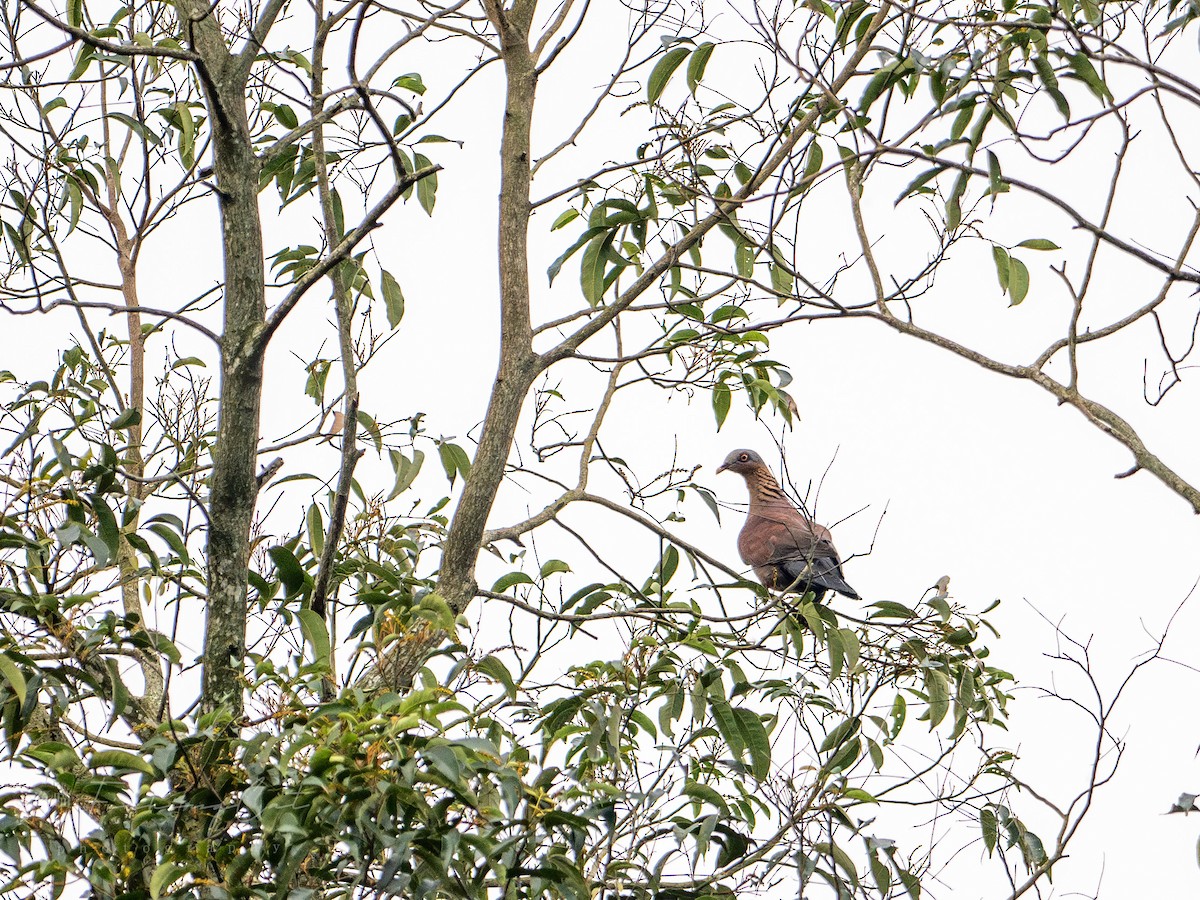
(785, 549)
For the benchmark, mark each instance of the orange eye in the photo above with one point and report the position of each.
(743, 457)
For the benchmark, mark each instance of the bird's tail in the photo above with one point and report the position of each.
(828, 575)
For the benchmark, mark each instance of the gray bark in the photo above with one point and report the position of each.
(233, 487)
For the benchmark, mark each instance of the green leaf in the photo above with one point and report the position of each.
(1018, 281)
(75, 197)
(316, 528)
(1045, 71)
(1039, 244)
(317, 635)
(912, 884)
(165, 875)
(697, 64)
(840, 733)
(837, 653)
(889, 609)
(899, 713)
(285, 115)
(372, 428)
(781, 280)
(99, 549)
(884, 76)
(860, 795)
(918, 183)
(710, 501)
(165, 646)
(138, 128)
(743, 258)
(987, 823)
(174, 540)
(427, 186)
(727, 725)
(705, 794)
(963, 119)
(876, 754)
(410, 82)
(188, 361)
(82, 61)
(1032, 849)
(1085, 72)
(566, 217)
(187, 135)
(841, 859)
(454, 460)
(591, 269)
(938, 690)
(434, 608)
(816, 157)
(291, 574)
(128, 419)
(14, 676)
(663, 70)
(494, 669)
(851, 647)
(406, 470)
(996, 182)
(1000, 256)
(106, 525)
(960, 637)
(953, 203)
(755, 737)
(881, 874)
(553, 566)
(393, 298)
(120, 759)
(643, 722)
(722, 397)
(300, 61)
(504, 582)
(556, 266)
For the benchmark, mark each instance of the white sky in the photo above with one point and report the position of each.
(984, 479)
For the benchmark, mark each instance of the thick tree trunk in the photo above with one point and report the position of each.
(233, 489)
(518, 363)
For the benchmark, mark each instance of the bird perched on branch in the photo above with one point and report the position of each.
(786, 550)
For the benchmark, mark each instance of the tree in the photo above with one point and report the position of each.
(354, 726)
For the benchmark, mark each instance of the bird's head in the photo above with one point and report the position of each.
(741, 461)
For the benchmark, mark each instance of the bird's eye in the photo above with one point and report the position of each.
(744, 457)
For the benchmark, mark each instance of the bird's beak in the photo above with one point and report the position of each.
(722, 467)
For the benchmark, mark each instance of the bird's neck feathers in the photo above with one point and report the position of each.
(765, 491)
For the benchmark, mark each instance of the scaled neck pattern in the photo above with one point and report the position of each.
(765, 494)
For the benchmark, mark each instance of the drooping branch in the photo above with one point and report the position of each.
(1099, 415)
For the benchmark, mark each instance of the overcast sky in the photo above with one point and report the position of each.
(983, 479)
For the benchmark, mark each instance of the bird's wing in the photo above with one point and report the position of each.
(822, 572)
(800, 549)
(776, 537)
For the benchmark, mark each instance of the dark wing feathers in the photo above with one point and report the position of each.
(823, 572)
